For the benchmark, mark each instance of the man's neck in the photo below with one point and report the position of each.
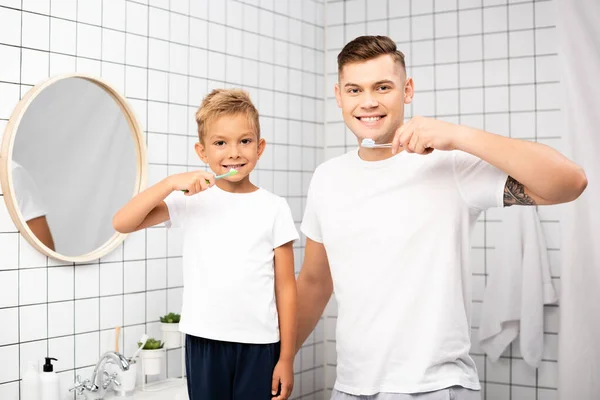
(376, 154)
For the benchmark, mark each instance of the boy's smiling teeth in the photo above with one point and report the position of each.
(234, 166)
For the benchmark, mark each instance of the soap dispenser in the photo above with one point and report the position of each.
(30, 385)
(49, 382)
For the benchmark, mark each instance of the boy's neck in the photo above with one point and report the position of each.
(243, 186)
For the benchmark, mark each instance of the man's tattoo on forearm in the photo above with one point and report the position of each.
(514, 193)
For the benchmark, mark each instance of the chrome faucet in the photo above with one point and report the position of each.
(95, 388)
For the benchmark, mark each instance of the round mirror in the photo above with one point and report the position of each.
(72, 155)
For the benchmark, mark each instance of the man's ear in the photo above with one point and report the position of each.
(262, 143)
(338, 95)
(201, 151)
(409, 90)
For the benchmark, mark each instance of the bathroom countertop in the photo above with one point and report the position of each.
(176, 391)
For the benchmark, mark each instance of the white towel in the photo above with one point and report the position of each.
(516, 293)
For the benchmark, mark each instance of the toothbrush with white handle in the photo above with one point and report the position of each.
(370, 144)
(143, 341)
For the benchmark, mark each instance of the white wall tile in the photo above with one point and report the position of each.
(10, 256)
(217, 34)
(89, 40)
(86, 281)
(520, 16)
(111, 278)
(37, 6)
(446, 76)
(10, 67)
(423, 54)
(10, 21)
(32, 284)
(471, 74)
(111, 312)
(33, 323)
(89, 67)
(446, 24)
(86, 349)
(495, 19)
(179, 29)
(61, 318)
(469, 21)
(522, 98)
(87, 315)
(63, 349)
(9, 96)
(134, 276)
(156, 274)
(114, 14)
(522, 124)
(447, 102)
(63, 36)
(521, 43)
(137, 18)
(156, 304)
(34, 66)
(522, 70)
(159, 23)
(89, 11)
(9, 288)
(134, 306)
(495, 45)
(35, 30)
(470, 48)
(9, 334)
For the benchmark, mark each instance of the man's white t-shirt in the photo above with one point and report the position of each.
(228, 262)
(397, 236)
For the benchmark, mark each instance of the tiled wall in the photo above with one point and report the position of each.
(490, 64)
(164, 56)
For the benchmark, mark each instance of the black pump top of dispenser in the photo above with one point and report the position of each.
(48, 367)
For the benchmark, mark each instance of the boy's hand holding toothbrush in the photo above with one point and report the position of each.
(192, 182)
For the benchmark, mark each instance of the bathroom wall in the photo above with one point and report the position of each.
(490, 64)
(164, 56)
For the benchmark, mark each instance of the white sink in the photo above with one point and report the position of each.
(159, 391)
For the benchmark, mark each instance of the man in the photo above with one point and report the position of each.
(389, 231)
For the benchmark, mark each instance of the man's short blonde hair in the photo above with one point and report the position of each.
(226, 102)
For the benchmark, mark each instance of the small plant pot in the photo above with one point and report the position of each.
(152, 361)
(171, 336)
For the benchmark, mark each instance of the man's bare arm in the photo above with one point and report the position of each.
(315, 287)
(538, 174)
(516, 193)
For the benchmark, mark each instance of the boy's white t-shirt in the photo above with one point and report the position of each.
(27, 193)
(397, 236)
(228, 262)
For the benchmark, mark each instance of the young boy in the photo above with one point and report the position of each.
(239, 296)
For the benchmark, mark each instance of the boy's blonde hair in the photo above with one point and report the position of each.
(226, 102)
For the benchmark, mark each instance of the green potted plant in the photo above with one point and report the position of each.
(169, 325)
(152, 354)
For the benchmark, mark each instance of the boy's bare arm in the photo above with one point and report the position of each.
(144, 210)
(41, 230)
(148, 207)
(285, 295)
(315, 287)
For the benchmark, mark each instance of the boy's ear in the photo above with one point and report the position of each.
(261, 146)
(201, 151)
